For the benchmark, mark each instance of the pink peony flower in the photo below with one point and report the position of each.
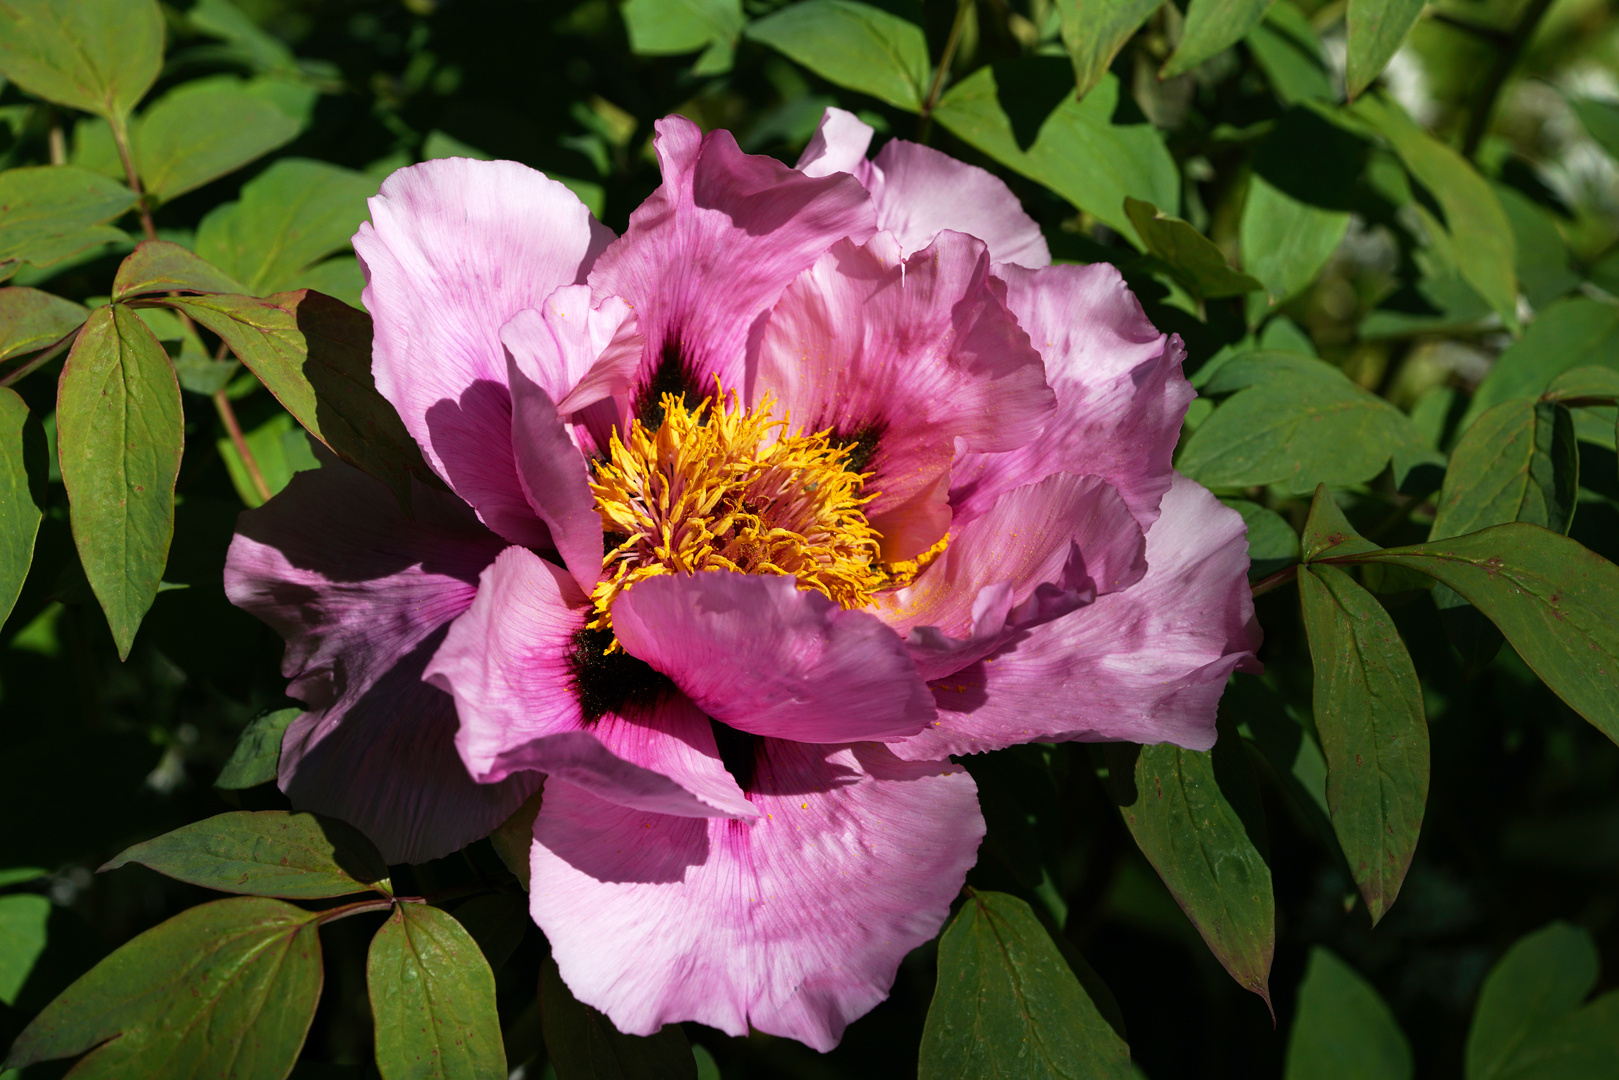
(813, 478)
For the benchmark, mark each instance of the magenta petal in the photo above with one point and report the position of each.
(509, 663)
(1146, 664)
(1120, 393)
(555, 479)
(793, 924)
(711, 249)
(362, 595)
(838, 145)
(454, 249)
(914, 354)
(758, 653)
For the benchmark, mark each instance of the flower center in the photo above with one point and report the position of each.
(718, 488)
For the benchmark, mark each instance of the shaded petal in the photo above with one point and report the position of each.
(454, 249)
(838, 145)
(1120, 393)
(794, 924)
(509, 663)
(758, 653)
(713, 247)
(555, 478)
(361, 594)
(1146, 664)
(908, 356)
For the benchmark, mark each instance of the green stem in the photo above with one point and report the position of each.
(924, 123)
(120, 138)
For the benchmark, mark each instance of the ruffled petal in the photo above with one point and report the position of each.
(555, 478)
(362, 594)
(453, 250)
(577, 353)
(904, 357)
(713, 247)
(758, 653)
(794, 924)
(513, 666)
(838, 145)
(1146, 664)
(1120, 393)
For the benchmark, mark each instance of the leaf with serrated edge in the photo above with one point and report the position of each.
(32, 320)
(1517, 462)
(223, 989)
(97, 55)
(1342, 1029)
(433, 1000)
(164, 266)
(24, 463)
(584, 1045)
(266, 853)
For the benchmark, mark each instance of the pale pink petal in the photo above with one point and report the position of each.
(713, 247)
(758, 653)
(577, 353)
(453, 250)
(1146, 664)
(838, 145)
(519, 668)
(904, 357)
(555, 479)
(1120, 392)
(793, 924)
(362, 595)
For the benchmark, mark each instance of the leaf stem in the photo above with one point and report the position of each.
(1276, 580)
(924, 123)
(228, 416)
(39, 360)
(360, 907)
(120, 137)
(1510, 51)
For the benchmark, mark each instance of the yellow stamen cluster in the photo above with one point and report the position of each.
(719, 488)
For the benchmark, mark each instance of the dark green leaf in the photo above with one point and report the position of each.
(31, 320)
(1517, 462)
(24, 462)
(672, 27)
(1212, 26)
(1095, 30)
(433, 999)
(224, 989)
(1544, 265)
(1272, 543)
(206, 128)
(51, 212)
(266, 853)
(1079, 152)
(1249, 368)
(513, 839)
(498, 922)
(1342, 1030)
(100, 56)
(1368, 712)
(1192, 258)
(1586, 384)
(22, 939)
(222, 19)
(1581, 1046)
(162, 266)
(854, 45)
(584, 1044)
(1601, 119)
(1541, 979)
(258, 751)
(1299, 197)
(1576, 332)
(120, 432)
(1376, 30)
(1197, 818)
(1008, 1007)
(1289, 52)
(314, 353)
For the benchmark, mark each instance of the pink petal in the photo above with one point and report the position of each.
(1146, 664)
(512, 663)
(454, 249)
(758, 653)
(711, 249)
(838, 145)
(1120, 392)
(794, 924)
(913, 354)
(362, 594)
(555, 479)
(577, 353)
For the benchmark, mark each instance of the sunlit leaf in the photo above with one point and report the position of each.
(1586, 384)
(854, 45)
(163, 266)
(1192, 258)
(100, 56)
(1576, 332)
(1094, 31)
(24, 462)
(203, 129)
(673, 27)
(1342, 1029)
(1211, 27)
(433, 1000)
(1288, 50)
(1376, 30)
(584, 1045)
(52, 212)
(31, 320)
(22, 939)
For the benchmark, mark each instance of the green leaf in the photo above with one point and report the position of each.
(433, 999)
(1094, 31)
(22, 938)
(1581, 1046)
(266, 853)
(584, 1044)
(1008, 1007)
(280, 448)
(1585, 385)
(1197, 818)
(164, 266)
(99, 56)
(1078, 152)
(672, 27)
(120, 431)
(1601, 119)
(1376, 30)
(292, 215)
(1299, 197)
(314, 353)
(1556, 602)
(513, 839)
(1192, 258)
(1272, 543)
(1342, 1030)
(24, 463)
(1541, 979)
(1369, 715)
(258, 751)
(31, 320)
(203, 129)
(224, 20)
(1576, 332)
(1517, 462)
(223, 989)
(49, 213)
(1212, 26)
(1287, 49)
(1477, 227)
(1544, 265)
(854, 45)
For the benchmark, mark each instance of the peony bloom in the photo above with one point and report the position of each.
(756, 515)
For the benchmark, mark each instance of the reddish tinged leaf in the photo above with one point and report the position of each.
(32, 320)
(157, 266)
